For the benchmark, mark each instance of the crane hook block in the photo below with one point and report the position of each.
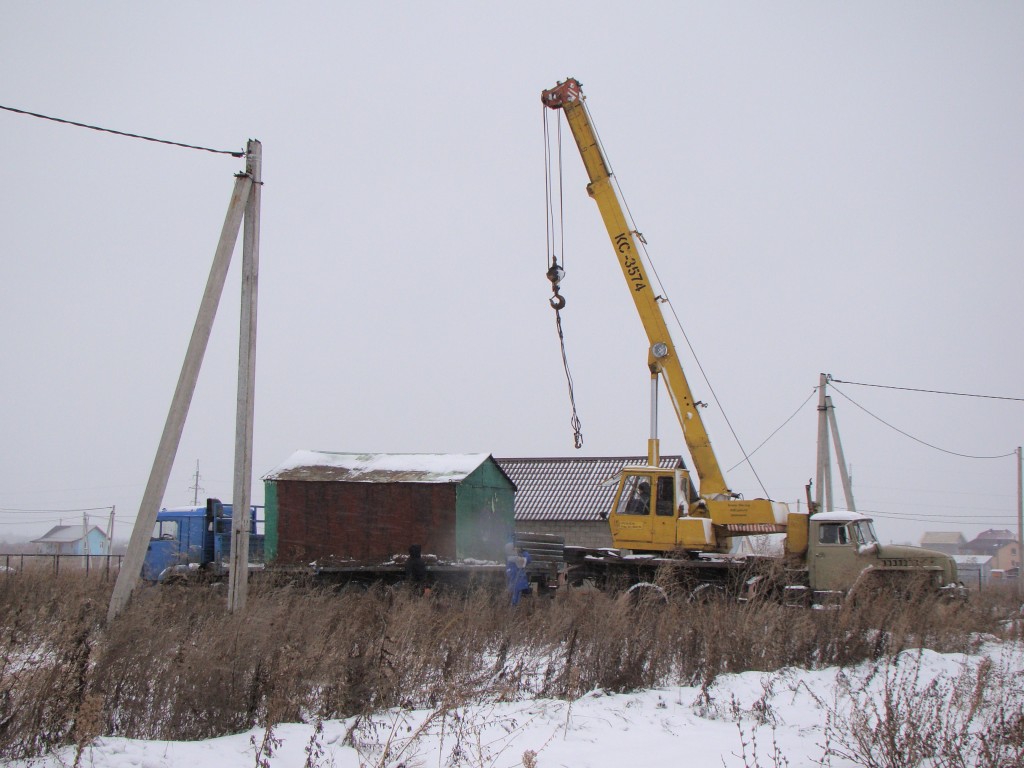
(555, 274)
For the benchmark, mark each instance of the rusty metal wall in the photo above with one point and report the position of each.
(363, 521)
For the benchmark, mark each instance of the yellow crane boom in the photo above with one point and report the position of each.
(687, 527)
(568, 97)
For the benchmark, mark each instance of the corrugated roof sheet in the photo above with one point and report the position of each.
(324, 466)
(569, 488)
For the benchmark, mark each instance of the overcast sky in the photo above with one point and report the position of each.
(824, 187)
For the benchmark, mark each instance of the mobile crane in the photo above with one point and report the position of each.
(658, 512)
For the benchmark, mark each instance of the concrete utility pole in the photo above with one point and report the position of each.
(238, 573)
(826, 424)
(1020, 525)
(85, 540)
(110, 530)
(131, 567)
(824, 461)
(837, 443)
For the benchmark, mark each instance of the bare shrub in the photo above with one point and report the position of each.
(175, 665)
(49, 632)
(972, 719)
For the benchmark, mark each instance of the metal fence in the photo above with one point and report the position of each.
(102, 564)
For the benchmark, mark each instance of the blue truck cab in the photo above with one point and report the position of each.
(189, 539)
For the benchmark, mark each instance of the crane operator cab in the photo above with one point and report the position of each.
(659, 510)
(654, 511)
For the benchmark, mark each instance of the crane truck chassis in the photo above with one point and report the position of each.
(843, 555)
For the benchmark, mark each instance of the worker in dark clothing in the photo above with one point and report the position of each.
(416, 570)
(516, 578)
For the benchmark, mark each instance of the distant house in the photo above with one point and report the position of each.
(950, 542)
(570, 496)
(1000, 545)
(69, 540)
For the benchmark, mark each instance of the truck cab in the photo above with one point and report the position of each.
(843, 553)
(192, 538)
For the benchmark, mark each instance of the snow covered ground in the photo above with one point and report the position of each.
(791, 717)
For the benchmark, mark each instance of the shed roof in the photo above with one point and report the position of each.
(325, 466)
(942, 537)
(65, 534)
(569, 488)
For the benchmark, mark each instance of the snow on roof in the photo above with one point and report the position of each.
(65, 534)
(322, 466)
(838, 517)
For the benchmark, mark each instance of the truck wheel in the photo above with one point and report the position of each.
(646, 592)
(706, 593)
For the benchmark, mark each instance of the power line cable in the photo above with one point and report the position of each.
(929, 391)
(664, 295)
(233, 153)
(48, 521)
(917, 439)
(746, 458)
(58, 511)
(965, 516)
(950, 517)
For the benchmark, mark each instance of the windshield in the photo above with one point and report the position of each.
(166, 530)
(865, 532)
(635, 498)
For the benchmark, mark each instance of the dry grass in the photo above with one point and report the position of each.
(176, 666)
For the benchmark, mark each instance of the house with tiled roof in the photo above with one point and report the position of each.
(1001, 545)
(570, 496)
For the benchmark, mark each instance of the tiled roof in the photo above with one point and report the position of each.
(985, 546)
(996, 535)
(569, 488)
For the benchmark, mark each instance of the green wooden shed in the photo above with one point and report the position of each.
(369, 507)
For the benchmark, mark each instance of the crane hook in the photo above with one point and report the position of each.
(555, 274)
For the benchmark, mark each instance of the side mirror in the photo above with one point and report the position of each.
(214, 510)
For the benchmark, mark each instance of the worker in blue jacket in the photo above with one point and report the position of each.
(516, 579)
